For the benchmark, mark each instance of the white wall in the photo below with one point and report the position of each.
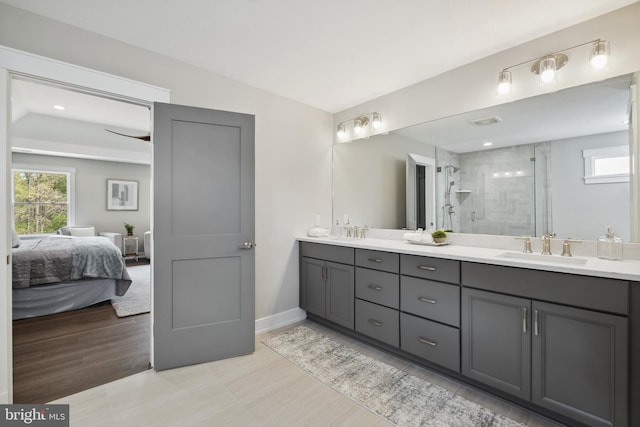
(293, 141)
(91, 191)
(602, 204)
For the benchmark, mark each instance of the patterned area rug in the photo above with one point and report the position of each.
(402, 399)
(137, 300)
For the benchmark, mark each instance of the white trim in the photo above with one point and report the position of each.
(75, 75)
(279, 320)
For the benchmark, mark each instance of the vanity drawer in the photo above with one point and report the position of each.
(444, 270)
(378, 286)
(378, 260)
(596, 293)
(378, 322)
(333, 253)
(434, 300)
(431, 341)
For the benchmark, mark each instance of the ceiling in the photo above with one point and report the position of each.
(330, 54)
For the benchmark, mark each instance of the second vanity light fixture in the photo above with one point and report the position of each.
(547, 66)
(363, 126)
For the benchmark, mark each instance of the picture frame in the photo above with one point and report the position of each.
(122, 195)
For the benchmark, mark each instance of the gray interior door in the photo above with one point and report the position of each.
(203, 232)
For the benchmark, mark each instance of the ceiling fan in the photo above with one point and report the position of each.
(141, 137)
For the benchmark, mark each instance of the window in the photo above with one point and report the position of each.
(42, 198)
(606, 165)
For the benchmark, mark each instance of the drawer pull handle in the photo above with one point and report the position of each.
(427, 342)
(375, 322)
(378, 260)
(426, 267)
(536, 327)
(427, 300)
(375, 287)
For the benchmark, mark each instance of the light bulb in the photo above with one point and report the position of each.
(376, 121)
(341, 131)
(357, 126)
(504, 82)
(599, 55)
(548, 70)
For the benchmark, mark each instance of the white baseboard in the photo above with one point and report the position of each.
(280, 320)
(4, 398)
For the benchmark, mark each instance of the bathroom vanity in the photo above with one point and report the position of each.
(559, 337)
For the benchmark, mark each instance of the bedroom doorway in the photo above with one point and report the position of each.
(17, 63)
(92, 337)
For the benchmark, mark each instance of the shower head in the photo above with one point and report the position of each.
(454, 169)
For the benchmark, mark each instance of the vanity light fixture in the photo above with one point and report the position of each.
(599, 56)
(361, 127)
(547, 66)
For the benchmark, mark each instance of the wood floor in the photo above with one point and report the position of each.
(62, 354)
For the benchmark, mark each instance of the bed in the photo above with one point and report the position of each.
(52, 274)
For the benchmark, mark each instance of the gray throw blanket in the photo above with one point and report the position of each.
(58, 259)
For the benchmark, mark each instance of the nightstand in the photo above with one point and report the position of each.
(130, 247)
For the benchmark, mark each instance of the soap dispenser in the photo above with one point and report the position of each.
(610, 245)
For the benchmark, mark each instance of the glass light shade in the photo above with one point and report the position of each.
(599, 56)
(341, 131)
(357, 126)
(504, 82)
(376, 121)
(548, 70)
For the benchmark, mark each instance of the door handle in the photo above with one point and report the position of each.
(524, 320)
(248, 245)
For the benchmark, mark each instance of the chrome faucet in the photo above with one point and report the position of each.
(546, 243)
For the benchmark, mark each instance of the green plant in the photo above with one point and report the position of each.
(439, 234)
(129, 228)
(448, 230)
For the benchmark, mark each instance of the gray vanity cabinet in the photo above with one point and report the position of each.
(496, 341)
(579, 364)
(572, 361)
(327, 285)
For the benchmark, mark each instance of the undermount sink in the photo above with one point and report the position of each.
(554, 259)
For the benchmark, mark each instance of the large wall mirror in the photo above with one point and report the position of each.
(550, 163)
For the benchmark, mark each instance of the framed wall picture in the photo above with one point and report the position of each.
(122, 195)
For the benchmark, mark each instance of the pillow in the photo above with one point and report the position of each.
(82, 231)
(15, 239)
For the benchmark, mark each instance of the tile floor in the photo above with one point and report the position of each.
(261, 389)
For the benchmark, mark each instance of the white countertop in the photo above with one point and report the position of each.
(625, 269)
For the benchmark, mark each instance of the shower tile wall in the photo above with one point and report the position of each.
(502, 199)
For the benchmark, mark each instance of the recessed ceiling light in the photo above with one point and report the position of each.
(58, 107)
(487, 144)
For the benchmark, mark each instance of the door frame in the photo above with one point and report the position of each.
(15, 62)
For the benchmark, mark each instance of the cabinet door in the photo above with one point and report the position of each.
(339, 297)
(496, 341)
(579, 364)
(312, 285)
